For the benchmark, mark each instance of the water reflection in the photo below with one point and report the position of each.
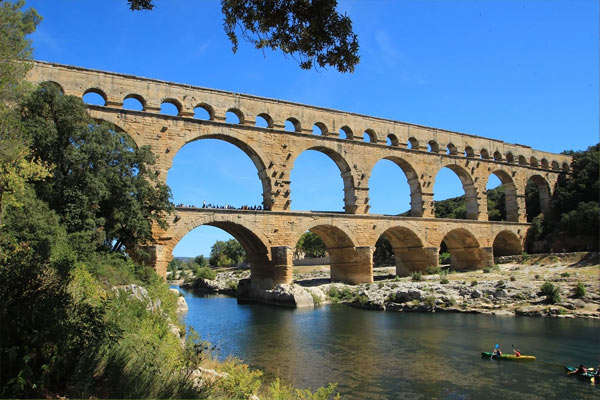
(389, 355)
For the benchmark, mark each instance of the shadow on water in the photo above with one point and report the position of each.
(393, 355)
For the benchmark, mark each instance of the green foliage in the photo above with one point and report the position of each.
(454, 208)
(226, 254)
(201, 261)
(416, 276)
(433, 270)
(101, 183)
(383, 254)
(233, 285)
(317, 300)
(551, 292)
(496, 204)
(565, 274)
(311, 245)
(345, 294)
(444, 281)
(205, 273)
(430, 301)
(579, 290)
(241, 383)
(474, 283)
(445, 258)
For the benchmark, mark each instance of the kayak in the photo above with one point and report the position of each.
(510, 357)
(589, 375)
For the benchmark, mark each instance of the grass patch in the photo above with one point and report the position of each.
(432, 270)
(416, 276)
(474, 283)
(579, 291)
(551, 292)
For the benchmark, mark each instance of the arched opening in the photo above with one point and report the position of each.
(316, 185)
(234, 116)
(507, 243)
(263, 121)
(55, 84)
(134, 102)
(451, 149)
(319, 128)
(565, 167)
(292, 125)
(170, 107)
(393, 190)
(218, 244)
(537, 197)
(484, 154)
(534, 161)
(369, 136)
(413, 143)
(545, 163)
(454, 194)
(464, 249)
(95, 97)
(433, 146)
(497, 156)
(345, 133)
(204, 111)
(469, 152)
(555, 165)
(510, 158)
(339, 252)
(216, 172)
(502, 197)
(402, 247)
(522, 160)
(391, 140)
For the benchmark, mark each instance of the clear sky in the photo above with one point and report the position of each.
(520, 71)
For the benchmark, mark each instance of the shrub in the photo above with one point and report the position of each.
(205, 273)
(565, 274)
(551, 292)
(537, 276)
(486, 270)
(416, 276)
(500, 284)
(430, 301)
(474, 283)
(452, 301)
(241, 382)
(317, 300)
(445, 258)
(444, 281)
(432, 270)
(232, 284)
(579, 290)
(361, 299)
(334, 292)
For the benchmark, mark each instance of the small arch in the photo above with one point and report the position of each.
(464, 249)
(507, 243)
(204, 111)
(369, 136)
(234, 116)
(170, 107)
(413, 143)
(319, 128)
(433, 146)
(55, 84)
(510, 158)
(522, 160)
(555, 165)
(545, 164)
(345, 133)
(497, 156)
(534, 161)
(469, 152)
(451, 149)
(392, 140)
(134, 102)
(484, 154)
(94, 96)
(565, 167)
(292, 125)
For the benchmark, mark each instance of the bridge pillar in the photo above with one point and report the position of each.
(428, 208)
(159, 257)
(468, 258)
(352, 265)
(521, 209)
(415, 259)
(267, 274)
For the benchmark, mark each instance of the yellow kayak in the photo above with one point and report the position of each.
(510, 357)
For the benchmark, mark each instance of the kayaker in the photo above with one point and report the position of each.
(582, 370)
(517, 352)
(497, 351)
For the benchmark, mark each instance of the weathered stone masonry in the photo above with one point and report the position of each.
(270, 236)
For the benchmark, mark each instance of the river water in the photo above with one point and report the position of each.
(373, 354)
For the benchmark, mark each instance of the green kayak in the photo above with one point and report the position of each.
(510, 357)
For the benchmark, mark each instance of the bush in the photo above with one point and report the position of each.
(445, 258)
(501, 284)
(432, 270)
(486, 270)
(565, 274)
(205, 273)
(430, 301)
(473, 283)
(579, 290)
(551, 292)
(537, 276)
(232, 284)
(444, 281)
(416, 276)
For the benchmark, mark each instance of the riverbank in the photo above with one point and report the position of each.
(512, 288)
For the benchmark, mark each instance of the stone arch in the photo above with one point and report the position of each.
(510, 158)
(469, 188)
(56, 84)
(507, 243)
(371, 134)
(565, 167)
(484, 154)
(138, 98)
(543, 188)
(469, 152)
(555, 165)
(413, 143)
(238, 113)
(497, 156)
(393, 140)
(119, 124)
(416, 197)
(345, 172)
(208, 108)
(174, 102)
(347, 131)
(510, 195)
(451, 149)
(464, 249)
(533, 161)
(409, 252)
(522, 160)
(295, 123)
(268, 119)
(434, 147)
(545, 164)
(322, 127)
(257, 158)
(97, 91)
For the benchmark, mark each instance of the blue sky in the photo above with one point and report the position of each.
(520, 71)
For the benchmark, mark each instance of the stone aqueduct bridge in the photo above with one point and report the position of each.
(270, 236)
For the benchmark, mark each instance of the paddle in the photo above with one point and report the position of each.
(516, 350)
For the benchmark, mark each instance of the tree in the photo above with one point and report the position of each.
(311, 245)
(225, 254)
(310, 31)
(101, 184)
(17, 166)
(383, 251)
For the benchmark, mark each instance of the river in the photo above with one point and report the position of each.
(373, 354)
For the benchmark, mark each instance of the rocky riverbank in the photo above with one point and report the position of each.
(571, 289)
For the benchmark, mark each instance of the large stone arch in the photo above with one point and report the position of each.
(468, 186)
(510, 194)
(544, 191)
(507, 243)
(119, 123)
(348, 263)
(409, 252)
(350, 205)
(255, 155)
(412, 177)
(464, 248)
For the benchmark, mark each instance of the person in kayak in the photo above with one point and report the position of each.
(582, 370)
(517, 352)
(497, 352)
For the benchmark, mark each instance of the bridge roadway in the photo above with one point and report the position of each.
(269, 239)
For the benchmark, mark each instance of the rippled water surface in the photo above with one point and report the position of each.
(373, 354)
